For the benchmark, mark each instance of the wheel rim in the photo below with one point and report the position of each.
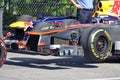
(101, 45)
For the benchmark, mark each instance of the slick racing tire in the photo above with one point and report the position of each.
(26, 18)
(97, 44)
(3, 52)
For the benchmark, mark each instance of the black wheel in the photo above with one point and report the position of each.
(3, 52)
(97, 44)
(68, 22)
(43, 26)
(26, 18)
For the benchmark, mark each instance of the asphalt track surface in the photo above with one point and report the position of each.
(26, 66)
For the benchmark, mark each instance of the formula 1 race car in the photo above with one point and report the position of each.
(104, 14)
(25, 23)
(98, 41)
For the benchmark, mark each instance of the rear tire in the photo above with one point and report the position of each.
(97, 44)
(3, 52)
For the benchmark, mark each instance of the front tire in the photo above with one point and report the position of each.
(97, 44)
(3, 52)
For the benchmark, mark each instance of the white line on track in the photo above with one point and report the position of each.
(118, 78)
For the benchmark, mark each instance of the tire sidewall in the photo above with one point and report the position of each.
(3, 52)
(94, 35)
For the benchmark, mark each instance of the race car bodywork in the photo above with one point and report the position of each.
(25, 23)
(108, 7)
(98, 41)
(107, 14)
